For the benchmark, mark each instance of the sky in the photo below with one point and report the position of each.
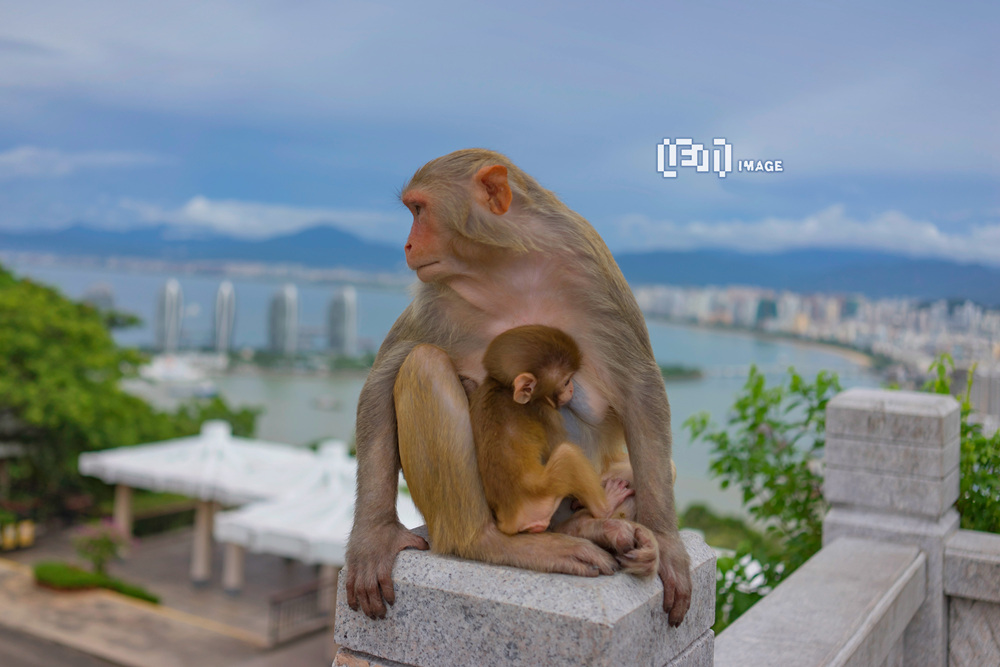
(257, 118)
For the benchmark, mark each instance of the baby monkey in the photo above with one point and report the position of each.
(525, 462)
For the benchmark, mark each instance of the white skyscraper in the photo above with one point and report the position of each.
(169, 314)
(342, 322)
(284, 320)
(225, 317)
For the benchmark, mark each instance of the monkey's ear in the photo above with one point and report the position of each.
(524, 385)
(492, 189)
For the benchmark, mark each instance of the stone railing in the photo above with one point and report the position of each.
(896, 582)
(972, 584)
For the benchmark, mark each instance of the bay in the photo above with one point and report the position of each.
(300, 408)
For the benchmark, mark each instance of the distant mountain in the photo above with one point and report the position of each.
(321, 246)
(874, 274)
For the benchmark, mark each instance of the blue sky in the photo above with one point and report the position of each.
(258, 118)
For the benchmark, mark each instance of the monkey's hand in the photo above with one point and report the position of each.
(675, 573)
(369, 566)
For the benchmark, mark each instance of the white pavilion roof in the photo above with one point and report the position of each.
(311, 523)
(213, 465)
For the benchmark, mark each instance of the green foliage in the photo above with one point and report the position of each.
(979, 465)
(99, 543)
(680, 372)
(344, 363)
(60, 394)
(727, 532)
(768, 450)
(62, 576)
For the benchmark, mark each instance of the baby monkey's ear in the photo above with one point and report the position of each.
(524, 385)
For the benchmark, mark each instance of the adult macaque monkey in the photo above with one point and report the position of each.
(494, 250)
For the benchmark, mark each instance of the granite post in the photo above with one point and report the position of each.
(892, 475)
(455, 612)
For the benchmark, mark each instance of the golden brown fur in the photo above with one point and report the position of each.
(525, 462)
(494, 250)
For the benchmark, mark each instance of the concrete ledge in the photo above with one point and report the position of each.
(902, 417)
(451, 611)
(884, 491)
(972, 566)
(848, 605)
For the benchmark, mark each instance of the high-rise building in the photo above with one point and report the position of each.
(342, 322)
(225, 317)
(284, 320)
(169, 315)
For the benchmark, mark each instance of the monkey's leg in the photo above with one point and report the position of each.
(438, 456)
(436, 449)
(568, 472)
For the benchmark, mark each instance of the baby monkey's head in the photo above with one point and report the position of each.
(537, 362)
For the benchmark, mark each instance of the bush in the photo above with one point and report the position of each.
(62, 576)
(979, 465)
(769, 449)
(99, 543)
(65, 577)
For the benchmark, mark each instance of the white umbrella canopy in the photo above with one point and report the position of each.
(312, 523)
(213, 465)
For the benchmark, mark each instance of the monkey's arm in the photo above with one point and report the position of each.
(646, 420)
(377, 536)
(642, 405)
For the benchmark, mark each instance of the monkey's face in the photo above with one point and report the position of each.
(427, 245)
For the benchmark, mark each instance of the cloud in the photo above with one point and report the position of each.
(255, 220)
(34, 162)
(831, 227)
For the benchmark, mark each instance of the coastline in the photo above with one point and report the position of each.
(853, 355)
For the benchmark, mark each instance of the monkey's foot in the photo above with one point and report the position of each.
(544, 552)
(616, 490)
(635, 546)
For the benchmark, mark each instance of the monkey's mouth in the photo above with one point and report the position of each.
(423, 268)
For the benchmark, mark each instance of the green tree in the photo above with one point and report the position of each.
(60, 391)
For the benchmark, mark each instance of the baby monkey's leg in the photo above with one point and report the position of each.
(568, 472)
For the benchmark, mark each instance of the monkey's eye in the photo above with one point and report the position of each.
(416, 209)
